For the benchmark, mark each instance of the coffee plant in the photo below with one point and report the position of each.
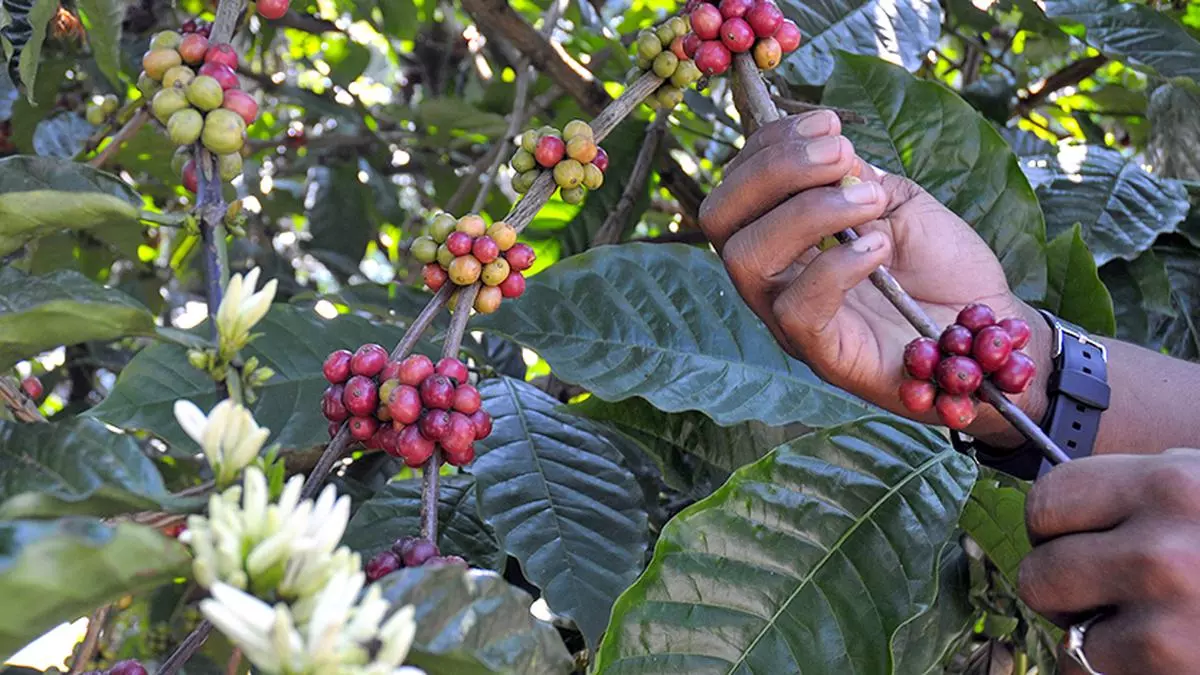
(375, 338)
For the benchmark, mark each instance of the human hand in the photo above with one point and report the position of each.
(780, 197)
(1122, 533)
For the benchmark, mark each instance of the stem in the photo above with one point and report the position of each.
(131, 127)
(91, 640)
(233, 384)
(614, 225)
(762, 110)
(22, 407)
(190, 645)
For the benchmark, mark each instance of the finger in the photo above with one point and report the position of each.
(792, 128)
(1137, 642)
(1075, 573)
(768, 179)
(1090, 494)
(808, 305)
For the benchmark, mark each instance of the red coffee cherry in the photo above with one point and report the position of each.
(549, 151)
(337, 366)
(388, 439)
(1014, 377)
(420, 552)
(678, 48)
(368, 360)
(405, 404)
(404, 545)
(737, 36)
(460, 435)
(991, 348)
(520, 257)
(1018, 330)
(241, 103)
(437, 391)
(453, 369)
(956, 412)
(193, 48)
(272, 9)
(956, 340)
(415, 449)
(959, 375)
(223, 74)
(363, 428)
(735, 8)
(921, 357)
(466, 399)
(788, 36)
(918, 395)
(32, 387)
(459, 243)
(127, 667)
(482, 422)
(976, 317)
(191, 179)
(706, 22)
(361, 396)
(381, 565)
(513, 285)
(713, 58)
(391, 371)
(332, 406)
(601, 159)
(435, 424)
(764, 19)
(414, 370)
(334, 428)
(485, 249)
(223, 54)
(446, 560)
(434, 276)
(461, 457)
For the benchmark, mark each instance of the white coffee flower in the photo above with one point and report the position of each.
(229, 436)
(241, 309)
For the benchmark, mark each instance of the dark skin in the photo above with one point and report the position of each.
(1119, 531)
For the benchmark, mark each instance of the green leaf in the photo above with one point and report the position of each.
(384, 301)
(925, 641)
(1121, 207)
(56, 571)
(901, 32)
(103, 19)
(1179, 335)
(1140, 289)
(458, 116)
(1137, 34)
(62, 135)
(556, 490)
(1074, 290)
(663, 321)
(294, 343)
(809, 560)
(477, 618)
(1173, 146)
(395, 511)
(60, 308)
(23, 37)
(924, 131)
(995, 518)
(39, 195)
(340, 218)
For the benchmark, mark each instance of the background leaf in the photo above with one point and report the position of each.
(1074, 290)
(994, 517)
(103, 18)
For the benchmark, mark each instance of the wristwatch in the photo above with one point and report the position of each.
(1078, 393)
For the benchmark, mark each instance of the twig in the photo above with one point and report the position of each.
(226, 20)
(793, 106)
(131, 127)
(22, 407)
(91, 640)
(1068, 76)
(235, 661)
(763, 110)
(614, 225)
(190, 645)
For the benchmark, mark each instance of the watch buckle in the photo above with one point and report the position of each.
(1079, 336)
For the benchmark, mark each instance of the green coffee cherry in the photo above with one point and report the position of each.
(444, 256)
(441, 227)
(648, 46)
(94, 115)
(148, 85)
(184, 126)
(523, 181)
(679, 25)
(523, 161)
(167, 102)
(229, 166)
(110, 104)
(668, 96)
(568, 173)
(593, 177)
(577, 128)
(183, 155)
(665, 34)
(529, 141)
(167, 39)
(686, 74)
(179, 75)
(205, 93)
(223, 131)
(665, 64)
(573, 195)
(424, 249)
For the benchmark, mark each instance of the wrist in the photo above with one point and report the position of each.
(990, 427)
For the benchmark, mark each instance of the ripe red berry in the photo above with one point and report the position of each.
(435, 424)
(737, 35)
(188, 26)
(1018, 330)
(485, 249)
(191, 179)
(381, 565)
(677, 48)
(415, 449)
(127, 667)
(921, 357)
(460, 457)
(241, 103)
(223, 74)
(222, 53)
(205, 29)
(976, 317)
(956, 340)
(706, 21)
(959, 375)
(788, 36)
(388, 439)
(332, 406)
(414, 370)
(193, 48)
(334, 428)
(460, 435)
(713, 58)
(918, 395)
(272, 9)
(391, 371)
(466, 399)
(361, 396)
(956, 412)
(363, 428)
(764, 19)
(549, 151)
(404, 545)
(453, 369)
(405, 404)
(482, 423)
(513, 285)
(437, 391)
(420, 552)
(434, 276)
(32, 387)
(735, 8)
(520, 257)
(459, 243)
(337, 366)
(368, 360)
(601, 158)
(1014, 377)
(446, 560)
(992, 348)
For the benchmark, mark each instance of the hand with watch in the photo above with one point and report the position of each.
(1116, 531)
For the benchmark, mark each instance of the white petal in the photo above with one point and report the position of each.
(191, 418)
(397, 635)
(291, 493)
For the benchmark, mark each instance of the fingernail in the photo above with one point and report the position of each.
(861, 193)
(872, 241)
(825, 150)
(814, 124)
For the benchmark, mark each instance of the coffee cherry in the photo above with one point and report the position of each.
(332, 406)
(1016, 374)
(453, 369)
(577, 129)
(735, 8)
(992, 348)
(678, 25)
(706, 22)
(179, 76)
(520, 257)
(460, 457)
(921, 358)
(513, 285)
(272, 9)
(167, 39)
(382, 414)
(415, 369)
(917, 395)
(157, 62)
(222, 53)
(487, 300)
(593, 177)
(523, 181)
(127, 667)
(446, 560)
(424, 249)
(384, 562)
(975, 317)
(1018, 330)
(788, 36)
(241, 103)
(466, 399)
(415, 449)
(147, 85)
(368, 360)
(362, 428)
(471, 224)
(388, 438)
(764, 18)
(405, 404)
(664, 66)
(956, 340)
(192, 48)
(444, 256)
(582, 148)
(435, 424)
(334, 428)
(190, 177)
(404, 545)
(188, 26)
(459, 243)
(387, 386)
(568, 173)
(168, 102)
(956, 412)
(419, 553)
(442, 226)
(495, 272)
(460, 435)
(229, 166)
(686, 75)
(550, 151)
(184, 127)
(223, 74)
(361, 396)
(32, 387)
(437, 391)
(767, 53)
(224, 131)
(523, 161)
(179, 158)
(692, 42)
(713, 58)
(737, 35)
(601, 160)
(529, 140)
(572, 195)
(485, 249)
(482, 422)
(665, 34)
(464, 270)
(434, 276)
(677, 48)
(391, 371)
(959, 375)
(648, 45)
(503, 234)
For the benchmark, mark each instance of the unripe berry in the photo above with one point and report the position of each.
(192, 48)
(582, 148)
(414, 370)
(167, 39)
(677, 48)
(1018, 330)
(495, 272)
(523, 161)
(1015, 375)
(601, 160)
(713, 58)
(735, 8)
(523, 181)
(664, 66)
(648, 46)
(147, 85)
(529, 141)
(459, 243)
(918, 395)
(678, 25)
(975, 317)
(229, 166)
(361, 396)
(921, 358)
(184, 126)
(686, 75)
(487, 300)
(460, 435)
(466, 399)
(485, 249)
(368, 360)
(669, 96)
(32, 387)
(424, 249)
(241, 103)
(127, 667)
(577, 129)
(956, 412)
(384, 562)
(190, 177)
(223, 74)
(224, 131)
(442, 226)
(956, 340)
(520, 257)
(764, 19)
(788, 36)
(405, 404)
(437, 391)
(435, 424)
(665, 34)
(434, 276)
(464, 270)
(992, 348)
(179, 76)
(362, 428)
(482, 422)
(737, 35)
(959, 375)
(568, 173)
(460, 457)
(222, 53)
(272, 9)
(419, 553)
(167, 102)
(513, 285)
(767, 53)
(572, 195)
(444, 256)
(332, 406)
(157, 62)
(550, 151)
(503, 234)
(593, 177)
(454, 369)
(471, 224)
(706, 22)
(415, 449)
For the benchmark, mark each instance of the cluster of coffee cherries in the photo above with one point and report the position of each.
(194, 91)
(947, 372)
(577, 161)
(737, 26)
(408, 552)
(100, 108)
(127, 667)
(406, 408)
(667, 50)
(32, 387)
(465, 250)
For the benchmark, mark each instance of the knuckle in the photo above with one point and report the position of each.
(1165, 563)
(1040, 512)
(1175, 485)
(740, 259)
(1156, 646)
(1031, 588)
